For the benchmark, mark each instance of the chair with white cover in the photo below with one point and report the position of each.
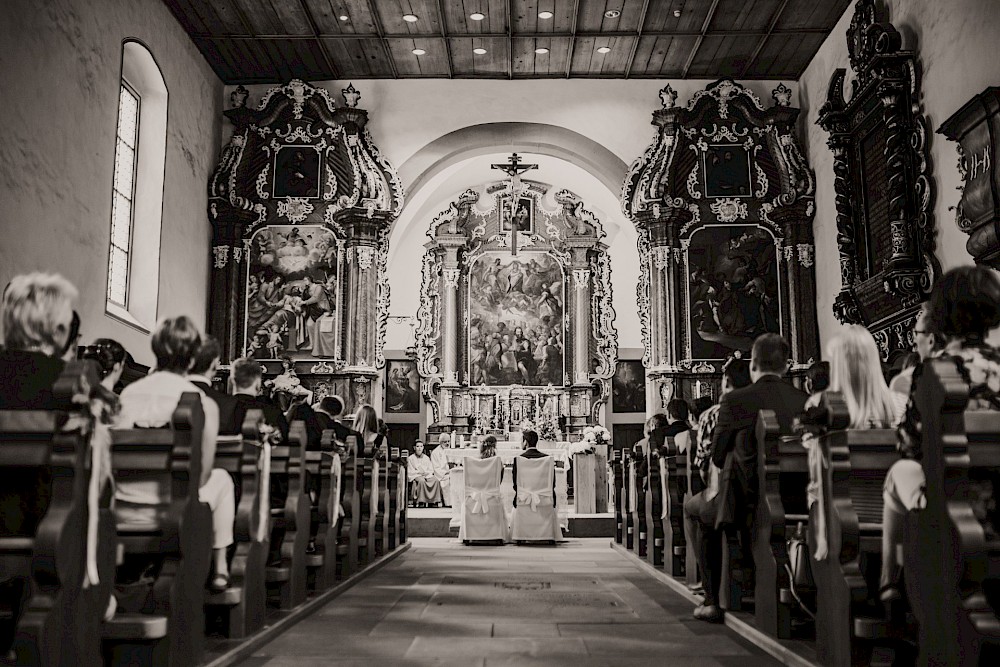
(483, 517)
(535, 517)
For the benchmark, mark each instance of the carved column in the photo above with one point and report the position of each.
(580, 370)
(450, 273)
(362, 285)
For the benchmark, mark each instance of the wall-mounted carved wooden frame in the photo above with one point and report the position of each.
(885, 230)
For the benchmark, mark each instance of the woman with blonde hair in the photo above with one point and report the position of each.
(488, 448)
(855, 373)
(366, 423)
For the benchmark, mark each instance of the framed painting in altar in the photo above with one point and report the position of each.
(727, 171)
(293, 279)
(402, 386)
(516, 311)
(519, 214)
(297, 172)
(628, 387)
(733, 291)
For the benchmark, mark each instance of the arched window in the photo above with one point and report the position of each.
(137, 189)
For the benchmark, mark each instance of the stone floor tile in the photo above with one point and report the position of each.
(544, 647)
(515, 629)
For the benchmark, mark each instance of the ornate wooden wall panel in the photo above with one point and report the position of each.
(885, 232)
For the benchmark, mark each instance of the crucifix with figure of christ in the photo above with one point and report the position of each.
(513, 168)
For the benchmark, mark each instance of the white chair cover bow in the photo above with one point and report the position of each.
(534, 498)
(483, 516)
(479, 500)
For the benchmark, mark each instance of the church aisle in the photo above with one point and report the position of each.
(442, 603)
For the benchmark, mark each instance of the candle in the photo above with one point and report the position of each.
(454, 439)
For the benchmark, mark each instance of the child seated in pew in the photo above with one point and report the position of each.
(964, 307)
(150, 403)
(855, 372)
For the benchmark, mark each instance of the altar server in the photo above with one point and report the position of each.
(440, 461)
(424, 485)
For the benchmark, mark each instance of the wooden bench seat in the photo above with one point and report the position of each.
(348, 533)
(673, 474)
(290, 523)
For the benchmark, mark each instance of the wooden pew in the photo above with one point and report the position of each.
(392, 501)
(626, 500)
(950, 561)
(848, 626)
(242, 606)
(61, 621)
(691, 574)
(378, 528)
(652, 508)
(637, 503)
(404, 494)
(619, 482)
(289, 578)
(166, 627)
(317, 481)
(367, 497)
(348, 532)
(783, 474)
(328, 509)
(672, 471)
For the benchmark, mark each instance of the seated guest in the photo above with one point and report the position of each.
(818, 377)
(440, 461)
(855, 372)
(530, 439)
(245, 382)
(110, 356)
(150, 403)
(425, 489)
(366, 423)
(735, 375)
(38, 332)
(328, 412)
(655, 424)
(300, 410)
(677, 425)
(734, 503)
(206, 364)
(698, 408)
(925, 343)
(964, 307)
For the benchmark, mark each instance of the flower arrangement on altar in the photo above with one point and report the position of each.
(546, 426)
(592, 436)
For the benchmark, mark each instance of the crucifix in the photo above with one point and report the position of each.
(514, 169)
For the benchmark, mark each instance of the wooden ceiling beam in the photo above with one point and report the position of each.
(331, 66)
(638, 36)
(760, 45)
(447, 42)
(525, 35)
(572, 40)
(701, 37)
(380, 32)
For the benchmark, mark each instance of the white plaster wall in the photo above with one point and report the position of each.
(60, 63)
(956, 43)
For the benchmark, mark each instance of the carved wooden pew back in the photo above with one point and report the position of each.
(348, 548)
(291, 522)
(619, 482)
(47, 453)
(673, 472)
(166, 624)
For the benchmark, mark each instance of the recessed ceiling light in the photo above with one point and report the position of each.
(345, 17)
(612, 13)
(604, 49)
(479, 51)
(418, 52)
(677, 13)
(476, 16)
(541, 49)
(410, 18)
(544, 15)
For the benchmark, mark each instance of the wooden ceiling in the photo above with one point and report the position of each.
(271, 41)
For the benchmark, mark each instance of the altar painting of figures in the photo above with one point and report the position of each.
(402, 386)
(733, 290)
(516, 320)
(628, 387)
(292, 286)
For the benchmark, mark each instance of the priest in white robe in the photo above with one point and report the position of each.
(441, 468)
(424, 485)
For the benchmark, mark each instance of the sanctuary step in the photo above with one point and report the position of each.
(433, 522)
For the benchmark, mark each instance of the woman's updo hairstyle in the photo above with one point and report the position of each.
(106, 352)
(965, 303)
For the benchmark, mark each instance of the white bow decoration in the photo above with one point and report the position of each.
(533, 498)
(480, 500)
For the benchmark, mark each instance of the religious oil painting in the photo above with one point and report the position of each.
(402, 386)
(516, 309)
(297, 172)
(293, 283)
(628, 387)
(727, 171)
(733, 289)
(519, 214)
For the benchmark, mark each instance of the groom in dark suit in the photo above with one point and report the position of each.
(530, 439)
(734, 450)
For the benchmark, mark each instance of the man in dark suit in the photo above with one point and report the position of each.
(734, 450)
(530, 439)
(328, 412)
(245, 382)
(206, 363)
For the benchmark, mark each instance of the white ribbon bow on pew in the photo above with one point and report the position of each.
(533, 498)
(481, 499)
(264, 508)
